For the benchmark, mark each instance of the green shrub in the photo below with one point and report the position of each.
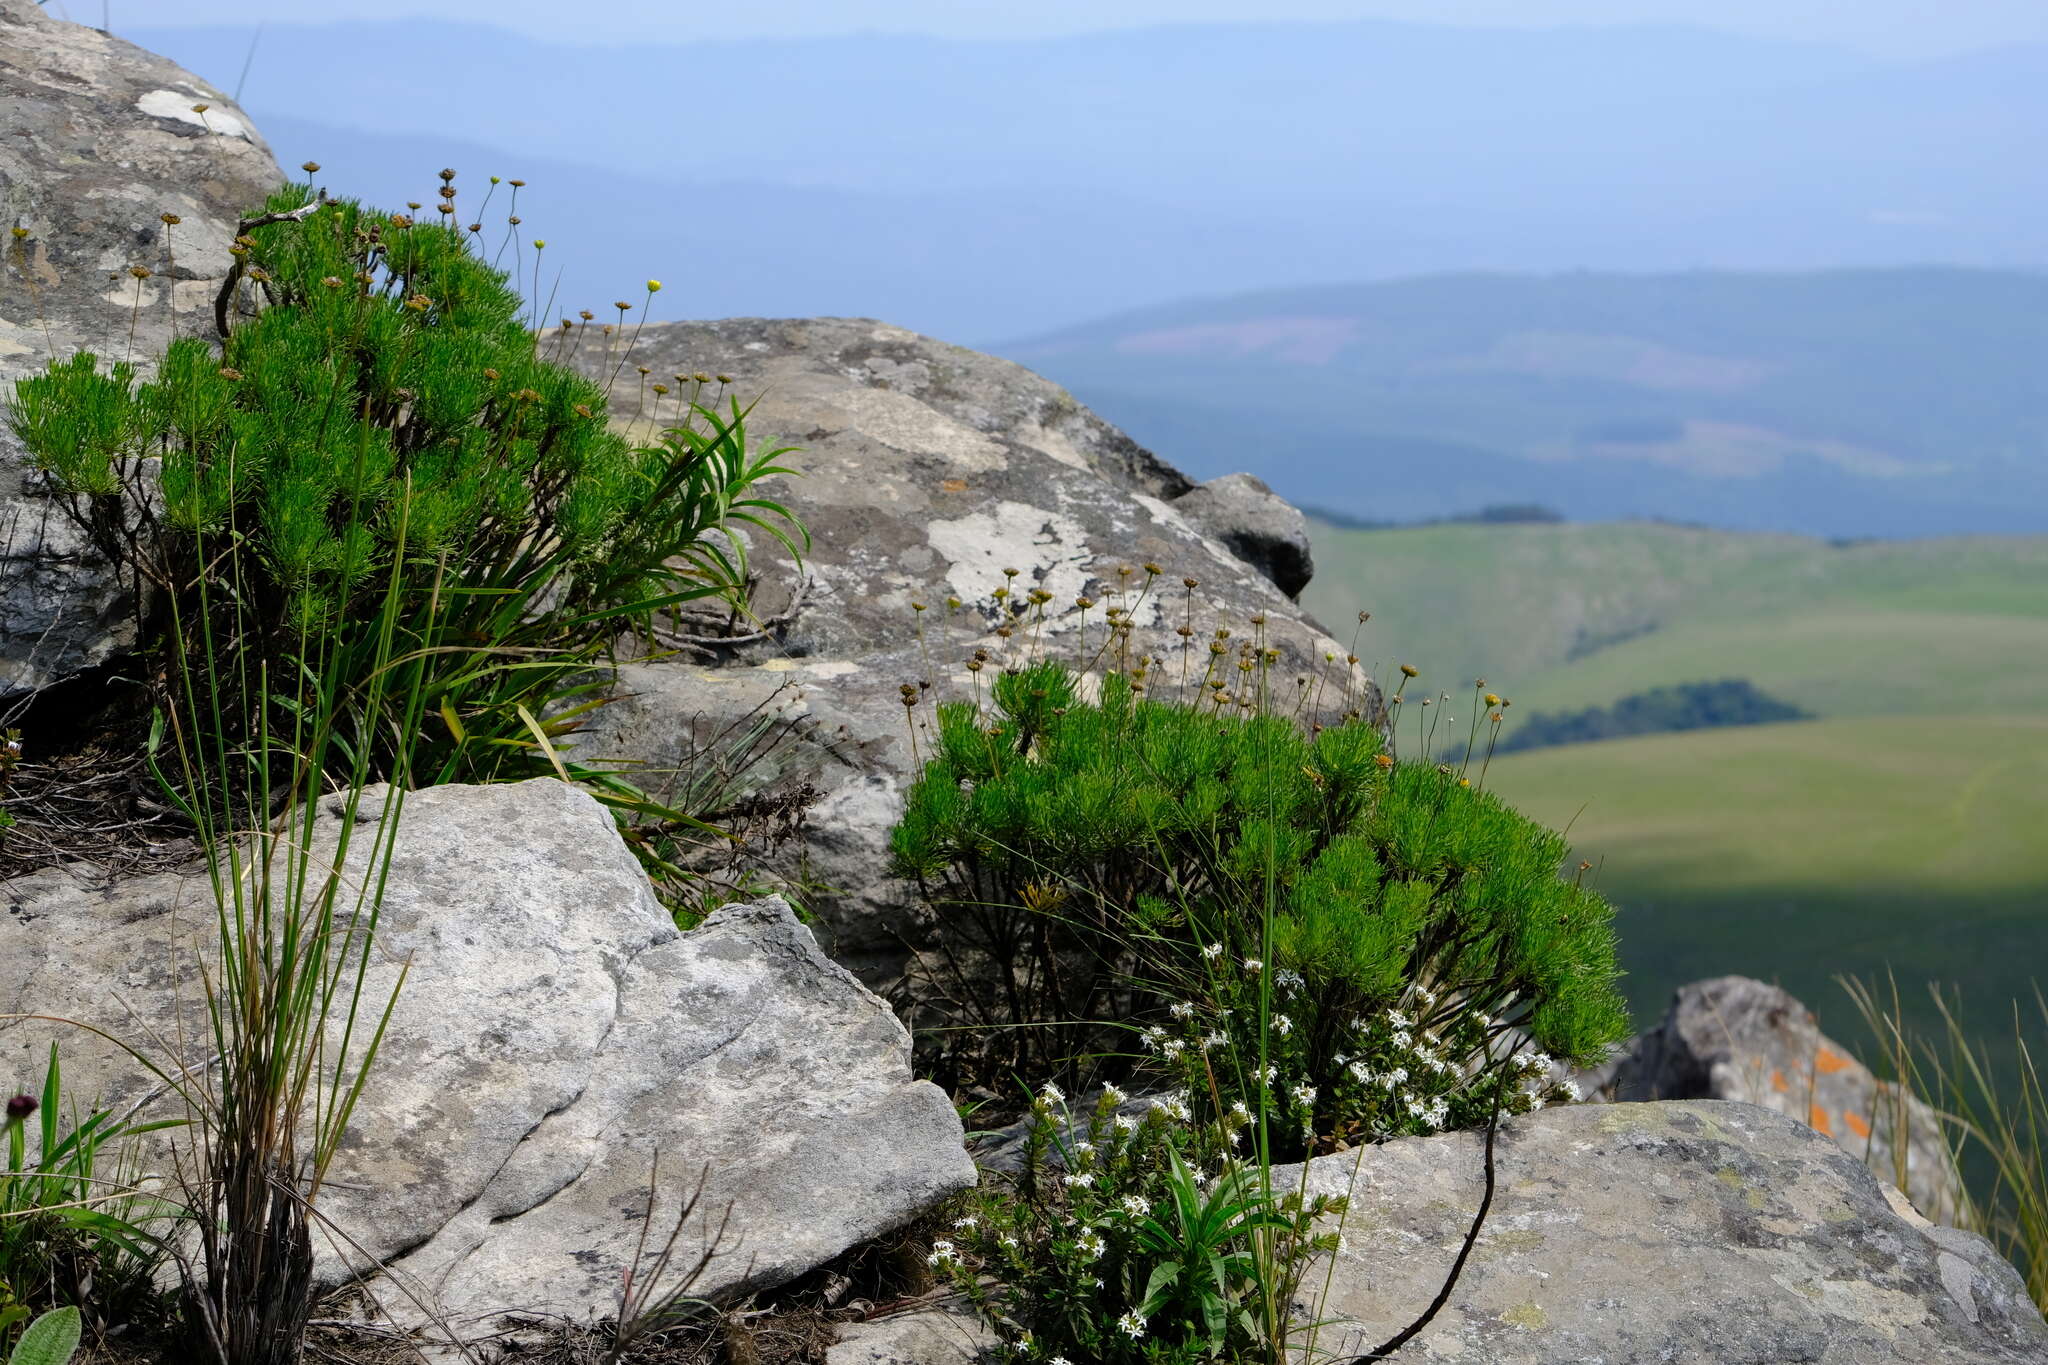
(1090, 856)
(386, 406)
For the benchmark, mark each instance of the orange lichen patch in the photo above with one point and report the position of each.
(1778, 1081)
(1818, 1121)
(954, 485)
(1858, 1125)
(1827, 1061)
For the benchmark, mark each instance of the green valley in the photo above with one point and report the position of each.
(1900, 830)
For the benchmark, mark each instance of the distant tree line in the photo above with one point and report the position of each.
(1686, 706)
(1498, 514)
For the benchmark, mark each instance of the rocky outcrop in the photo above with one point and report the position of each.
(1736, 1038)
(555, 1032)
(1260, 527)
(1687, 1231)
(928, 470)
(1698, 1232)
(98, 140)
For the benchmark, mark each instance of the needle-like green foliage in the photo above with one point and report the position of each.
(372, 366)
(1092, 852)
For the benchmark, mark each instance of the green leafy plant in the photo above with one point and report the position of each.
(374, 372)
(1136, 1238)
(1090, 856)
(71, 1226)
(51, 1339)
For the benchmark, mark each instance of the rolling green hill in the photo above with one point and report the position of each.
(1559, 617)
(1801, 851)
(1903, 829)
(1851, 402)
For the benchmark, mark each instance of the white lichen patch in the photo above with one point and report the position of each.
(126, 295)
(178, 104)
(1050, 550)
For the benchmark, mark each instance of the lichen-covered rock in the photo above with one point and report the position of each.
(1737, 1038)
(555, 1032)
(1260, 527)
(98, 140)
(1695, 1231)
(927, 470)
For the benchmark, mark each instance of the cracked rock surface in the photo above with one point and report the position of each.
(98, 140)
(555, 1031)
(927, 470)
(1697, 1232)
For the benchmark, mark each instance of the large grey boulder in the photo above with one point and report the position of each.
(1737, 1038)
(927, 470)
(1260, 527)
(554, 1034)
(1708, 1232)
(98, 140)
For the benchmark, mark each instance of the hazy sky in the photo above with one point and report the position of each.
(1901, 28)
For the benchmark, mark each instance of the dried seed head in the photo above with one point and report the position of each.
(1190, 584)
(660, 389)
(515, 220)
(447, 174)
(309, 166)
(621, 306)
(1410, 671)
(169, 219)
(446, 191)
(701, 377)
(140, 272)
(201, 108)
(516, 184)
(1153, 569)
(586, 315)
(725, 379)
(228, 373)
